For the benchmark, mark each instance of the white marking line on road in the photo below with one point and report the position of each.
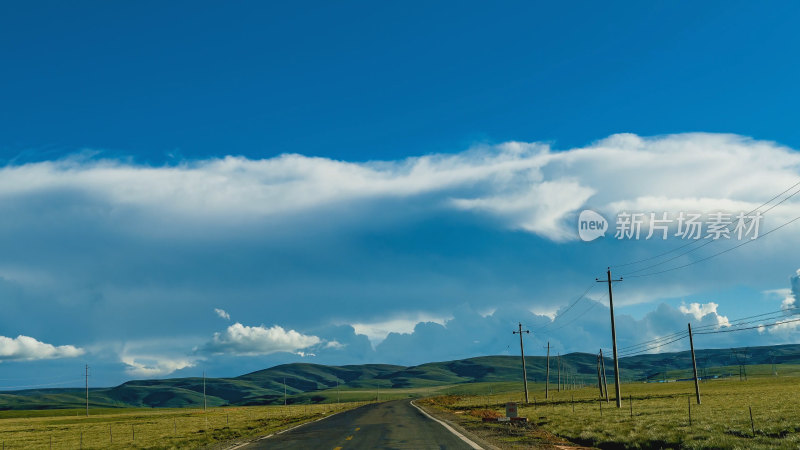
(448, 427)
(244, 444)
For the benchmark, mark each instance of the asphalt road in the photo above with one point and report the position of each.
(389, 425)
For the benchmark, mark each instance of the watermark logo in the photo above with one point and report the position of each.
(683, 225)
(591, 225)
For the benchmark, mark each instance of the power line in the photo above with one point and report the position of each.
(735, 325)
(695, 241)
(655, 340)
(743, 321)
(592, 305)
(753, 327)
(656, 346)
(562, 313)
(41, 385)
(708, 237)
(715, 254)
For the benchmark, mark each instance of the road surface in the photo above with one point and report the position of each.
(390, 425)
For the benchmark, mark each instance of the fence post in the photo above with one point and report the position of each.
(600, 401)
(110, 435)
(630, 399)
(752, 424)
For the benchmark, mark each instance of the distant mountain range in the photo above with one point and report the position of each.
(267, 386)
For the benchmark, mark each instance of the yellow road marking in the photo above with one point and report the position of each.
(348, 438)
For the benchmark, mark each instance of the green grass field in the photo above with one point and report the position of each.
(660, 416)
(151, 428)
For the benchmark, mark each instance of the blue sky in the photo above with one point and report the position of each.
(333, 176)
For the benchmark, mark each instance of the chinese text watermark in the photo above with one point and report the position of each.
(682, 225)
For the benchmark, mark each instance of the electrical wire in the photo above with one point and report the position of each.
(631, 274)
(654, 347)
(700, 240)
(715, 254)
(658, 339)
(751, 328)
(734, 325)
(562, 313)
(592, 305)
(4, 388)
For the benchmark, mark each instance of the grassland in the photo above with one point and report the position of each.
(151, 428)
(165, 414)
(660, 412)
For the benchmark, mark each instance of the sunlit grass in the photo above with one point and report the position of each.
(661, 413)
(154, 428)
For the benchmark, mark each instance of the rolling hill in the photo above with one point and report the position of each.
(267, 386)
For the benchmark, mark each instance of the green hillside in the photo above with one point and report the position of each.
(313, 383)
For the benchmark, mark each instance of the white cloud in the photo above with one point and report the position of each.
(25, 348)
(222, 314)
(701, 310)
(404, 324)
(525, 185)
(777, 292)
(239, 339)
(150, 366)
(334, 344)
(541, 209)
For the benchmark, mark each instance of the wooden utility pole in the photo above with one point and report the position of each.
(284, 391)
(204, 391)
(87, 390)
(613, 336)
(558, 363)
(694, 365)
(522, 353)
(772, 357)
(603, 368)
(547, 377)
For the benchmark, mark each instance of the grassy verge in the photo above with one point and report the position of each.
(660, 417)
(153, 428)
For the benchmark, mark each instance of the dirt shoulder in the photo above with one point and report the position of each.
(494, 435)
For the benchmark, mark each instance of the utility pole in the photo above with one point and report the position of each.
(547, 377)
(694, 365)
(204, 391)
(613, 335)
(522, 353)
(558, 364)
(772, 357)
(337, 391)
(603, 367)
(87, 390)
(284, 391)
